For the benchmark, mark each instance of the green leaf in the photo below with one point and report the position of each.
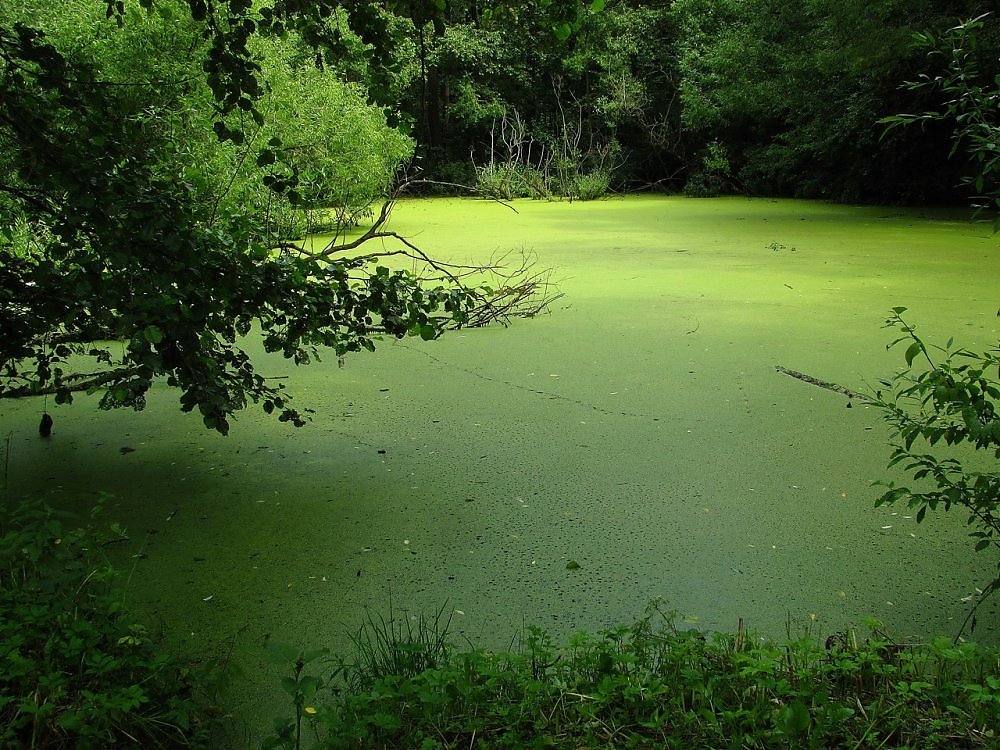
(290, 685)
(153, 334)
(385, 721)
(265, 157)
(308, 686)
(597, 5)
(428, 332)
(912, 351)
(796, 718)
(562, 31)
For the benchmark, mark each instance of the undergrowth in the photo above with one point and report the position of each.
(650, 685)
(76, 669)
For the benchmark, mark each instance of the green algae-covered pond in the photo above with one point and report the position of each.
(639, 430)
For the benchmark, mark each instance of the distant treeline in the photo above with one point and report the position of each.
(765, 97)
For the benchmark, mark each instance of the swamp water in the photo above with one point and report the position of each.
(639, 431)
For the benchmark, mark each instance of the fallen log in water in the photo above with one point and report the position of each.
(854, 395)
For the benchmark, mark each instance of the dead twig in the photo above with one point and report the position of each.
(825, 384)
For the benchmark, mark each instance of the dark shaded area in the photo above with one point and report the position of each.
(771, 98)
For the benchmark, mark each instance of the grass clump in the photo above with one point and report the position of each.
(656, 685)
(76, 670)
(509, 180)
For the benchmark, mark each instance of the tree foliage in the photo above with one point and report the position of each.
(794, 92)
(944, 406)
(969, 82)
(790, 92)
(157, 164)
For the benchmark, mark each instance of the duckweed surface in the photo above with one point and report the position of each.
(635, 442)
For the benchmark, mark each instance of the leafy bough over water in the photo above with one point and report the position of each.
(970, 88)
(951, 403)
(146, 200)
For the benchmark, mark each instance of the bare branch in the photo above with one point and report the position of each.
(515, 292)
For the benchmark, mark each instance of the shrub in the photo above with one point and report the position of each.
(76, 670)
(714, 177)
(654, 684)
(591, 185)
(452, 178)
(509, 180)
(937, 410)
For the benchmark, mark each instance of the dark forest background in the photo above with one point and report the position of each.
(765, 97)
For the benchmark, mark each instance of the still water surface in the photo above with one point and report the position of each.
(640, 429)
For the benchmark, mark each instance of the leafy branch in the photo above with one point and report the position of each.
(119, 255)
(953, 403)
(971, 101)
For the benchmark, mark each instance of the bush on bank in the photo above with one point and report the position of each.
(77, 670)
(649, 685)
